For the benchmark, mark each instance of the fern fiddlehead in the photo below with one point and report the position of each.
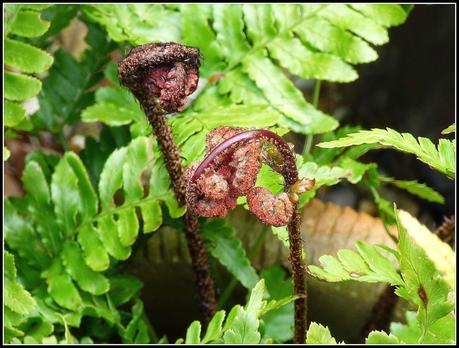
(229, 163)
(161, 76)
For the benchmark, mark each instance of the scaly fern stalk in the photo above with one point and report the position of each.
(199, 261)
(158, 94)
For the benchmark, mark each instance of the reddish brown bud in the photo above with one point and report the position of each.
(213, 185)
(247, 163)
(271, 210)
(210, 208)
(163, 72)
(234, 158)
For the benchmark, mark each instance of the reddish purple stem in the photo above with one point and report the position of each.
(291, 174)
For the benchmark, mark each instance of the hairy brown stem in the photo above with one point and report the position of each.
(299, 280)
(199, 261)
(162, 76)
(169, 150)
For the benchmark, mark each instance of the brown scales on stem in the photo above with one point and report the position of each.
(161, 76)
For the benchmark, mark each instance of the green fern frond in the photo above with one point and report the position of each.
(71, 231)
(318, 334)
(425, 279)
(136, 24)
(416, 188)
(450, 129)
(241, 325)
(18, 302)
(65, 90)
(228, 250)
(441, 157)
(22, 60)
(249, 46)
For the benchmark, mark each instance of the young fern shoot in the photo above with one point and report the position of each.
(233, 159)
(162, 76)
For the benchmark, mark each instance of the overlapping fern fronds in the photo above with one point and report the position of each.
(73, 235)
(426, 279)
(246, 49)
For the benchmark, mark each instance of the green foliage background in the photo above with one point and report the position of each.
(66, 240)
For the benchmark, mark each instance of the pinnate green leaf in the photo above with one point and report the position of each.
(193, 333)
(214, 329)
(301, 61)
(285, 97)
(416, 188)
(380, 337)
(25, 57)
(367, 264)
(20, 87)
(441, 158)
(329, 38)
(347, 18)
(318, 334)
(244, 328)
(86, 278)
(14, 113)
(225, 247)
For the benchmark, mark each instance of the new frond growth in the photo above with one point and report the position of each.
(234, 158)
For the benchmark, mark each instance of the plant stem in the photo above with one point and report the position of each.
(315, 102)
(199, 261)
(299, 279)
